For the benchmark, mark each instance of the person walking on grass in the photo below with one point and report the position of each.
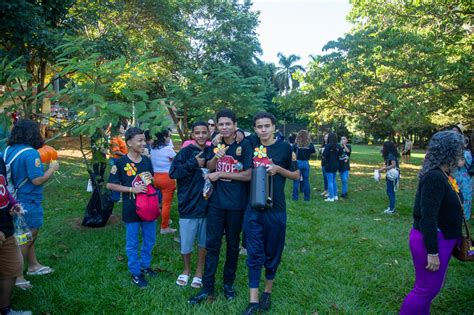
(265, 229)
(230, 162)
(11, 262)
(332, 152)
(162, 156)
(345, 165)
(130, 176)
(437, 223)
(28, 177)
(303, 149)
(392, 169)
(192, 206)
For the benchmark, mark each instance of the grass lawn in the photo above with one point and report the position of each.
(345, 257)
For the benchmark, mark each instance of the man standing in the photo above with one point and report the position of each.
(265, 228)
(231, 162)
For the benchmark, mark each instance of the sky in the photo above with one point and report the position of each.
(300, 27)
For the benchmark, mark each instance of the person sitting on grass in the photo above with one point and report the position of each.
(127, 176)
(265, 229)
(192, 206)
(11, 262)
(28, 177)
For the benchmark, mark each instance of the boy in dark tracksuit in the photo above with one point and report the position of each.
(186, 169)
(231, 162)
(265, 228)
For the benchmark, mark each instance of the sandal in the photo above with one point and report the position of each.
(24, 285)
(197, 283)
(40, 271)
(182, 280)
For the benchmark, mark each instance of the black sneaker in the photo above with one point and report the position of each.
(229, 292)
(344, 196)
(201, 296)
(252, 308)
(149, 272)
(265, 301)
(139, 281)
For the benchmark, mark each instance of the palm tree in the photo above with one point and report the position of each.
(283, 78)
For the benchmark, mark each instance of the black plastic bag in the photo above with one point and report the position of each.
(99, 208)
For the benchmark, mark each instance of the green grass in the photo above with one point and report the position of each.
(340, 258)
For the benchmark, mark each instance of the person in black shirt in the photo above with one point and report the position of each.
(230, 162)
(265, 229)
(390, 156)
(345, 165)
(332, 152)
(303, 149)
(325, 192)
(130, 175)
(192, 206)
(437, 216)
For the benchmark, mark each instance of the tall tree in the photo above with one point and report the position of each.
(283, 77)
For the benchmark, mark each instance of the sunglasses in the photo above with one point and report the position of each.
(211, 125)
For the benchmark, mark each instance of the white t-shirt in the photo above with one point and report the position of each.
(161, 159)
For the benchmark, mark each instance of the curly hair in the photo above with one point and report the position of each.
(389, 147)
(27, 132)
(303, 139)
(444, 148)
(160, 140)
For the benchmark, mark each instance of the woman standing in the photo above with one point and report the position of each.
(463, 178)
(303, 149)
(332, 152)
(28, 177)
(323, 169)
(437, 222)
(390, 156)
(345, 165)
(161, 157)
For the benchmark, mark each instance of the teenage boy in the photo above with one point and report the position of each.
(231, 162)
(129, 175)
(265, 228)
(192, 207)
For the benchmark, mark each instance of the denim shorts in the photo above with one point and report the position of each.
(33, 213)
(189, 229)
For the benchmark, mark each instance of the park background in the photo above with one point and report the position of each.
(402, 70)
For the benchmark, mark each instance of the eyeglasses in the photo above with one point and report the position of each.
(211, 124)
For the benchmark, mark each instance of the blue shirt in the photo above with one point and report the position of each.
(27, 165)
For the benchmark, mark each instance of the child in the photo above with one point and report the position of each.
(186, 169)
(129, 175)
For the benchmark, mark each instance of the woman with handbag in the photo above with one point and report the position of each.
(437, 222)
(391, 167)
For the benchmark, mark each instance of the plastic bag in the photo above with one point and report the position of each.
(89, 186)
(22, 231)
(98, 209)
(208, 188)
(377, 175)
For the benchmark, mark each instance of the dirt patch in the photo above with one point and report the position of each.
(77, 222)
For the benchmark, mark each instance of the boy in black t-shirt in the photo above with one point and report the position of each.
(129, 176)
(265, 228)
(231, 162)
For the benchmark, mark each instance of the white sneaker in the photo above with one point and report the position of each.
(389, 211)
(167, 231)
(324, 193)
(329, 199)
(336, 198)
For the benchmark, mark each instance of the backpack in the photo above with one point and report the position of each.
(148, 208)
(10, 185)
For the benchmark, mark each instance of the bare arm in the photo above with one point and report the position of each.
(386, 168)
(244, 176)
(126, 189)
(53, 167)
(273, 169)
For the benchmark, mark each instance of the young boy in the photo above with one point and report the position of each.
(186, 169)
(265, 228)
(129, 176)
(231, 162)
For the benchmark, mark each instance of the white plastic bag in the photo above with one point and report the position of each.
(377, 175)
(89, 186)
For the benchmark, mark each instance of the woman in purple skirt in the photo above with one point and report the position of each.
(437, 222)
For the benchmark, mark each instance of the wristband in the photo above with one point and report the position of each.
(130, 190)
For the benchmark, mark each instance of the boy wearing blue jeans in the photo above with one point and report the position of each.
(192, 206)
(127, 177)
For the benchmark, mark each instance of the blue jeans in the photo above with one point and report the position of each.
(132, 242)
(344, 181)
(303, 167)
(325, 178)
(115, 195)
(391, 193)
(332, 185)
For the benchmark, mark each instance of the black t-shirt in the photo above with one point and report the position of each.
(304, 153)
(6, 221)
(282, 155)
(344, 159)
(331, 156)
(231, 194)
(125, 172)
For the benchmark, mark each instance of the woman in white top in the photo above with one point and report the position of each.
(161, 157)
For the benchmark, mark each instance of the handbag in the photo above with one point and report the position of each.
(147, 205)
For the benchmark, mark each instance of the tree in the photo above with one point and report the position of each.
(283, 77)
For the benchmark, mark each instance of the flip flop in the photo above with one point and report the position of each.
(197, 283)
(181, 279)
(40, 271)
(24, 285)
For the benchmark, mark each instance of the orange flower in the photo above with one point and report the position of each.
(454, 184)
